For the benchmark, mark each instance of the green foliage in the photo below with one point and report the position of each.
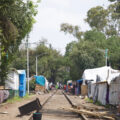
(113, 45)
(89, 51)
(89, 100)
(105, 20)
(51, 63)
(32, 84)
(85, 53)
(16, 20)
(17, 98)
(97, 17)
(74, 30)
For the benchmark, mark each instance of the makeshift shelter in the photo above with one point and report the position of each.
(12, 83)
(40, 80)
(100, 84)
(22, 82)
(40, 83)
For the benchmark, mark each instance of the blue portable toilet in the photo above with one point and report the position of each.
(22, 83)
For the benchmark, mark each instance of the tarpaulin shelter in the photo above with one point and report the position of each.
(40, 80)
(22, 82)
(99, 81)
(12, 82)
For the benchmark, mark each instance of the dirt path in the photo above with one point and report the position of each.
(13, 111)
(52, 111)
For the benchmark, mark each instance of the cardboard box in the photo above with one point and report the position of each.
(39, 88)
(2, 87)
(84, 90)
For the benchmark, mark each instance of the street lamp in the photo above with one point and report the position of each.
(37, 61)
(106, 55)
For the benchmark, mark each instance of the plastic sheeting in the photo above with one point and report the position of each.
(46, 84)
(100, 74)
(40, 80)
(114, 92)
(102, 93)
(12, 81)
(98, 79)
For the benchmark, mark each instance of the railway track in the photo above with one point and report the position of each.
(51, 108)
(84, 117)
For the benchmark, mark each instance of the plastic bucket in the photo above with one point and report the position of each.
(37, 116)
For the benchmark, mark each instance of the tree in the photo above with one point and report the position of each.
(51, 64)
(16, 20)
(113, 45)
(74, 30)
(97, 18)
(105, 20)
(84, 55)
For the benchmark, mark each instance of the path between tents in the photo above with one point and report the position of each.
(51, 111)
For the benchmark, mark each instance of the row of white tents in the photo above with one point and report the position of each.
(103, 84)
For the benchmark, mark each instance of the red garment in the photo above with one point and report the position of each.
(64, 87)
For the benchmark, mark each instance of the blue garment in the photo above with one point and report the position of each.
(80, 81)
(40, 80)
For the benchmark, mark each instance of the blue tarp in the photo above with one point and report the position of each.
(80, 81)
(78, 86)
(40, 80)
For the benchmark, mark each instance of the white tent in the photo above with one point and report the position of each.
(12, 81)
(98, 80)
(95, 74)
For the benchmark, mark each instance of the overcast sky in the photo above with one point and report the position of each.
(52, 13)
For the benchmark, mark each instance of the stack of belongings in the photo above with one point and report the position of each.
(40, 83)
(4, 94)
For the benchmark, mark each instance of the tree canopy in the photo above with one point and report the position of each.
(16, 20)
(51, 63)
(89, 50)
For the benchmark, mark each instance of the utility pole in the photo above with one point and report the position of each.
(27, 62)
(106, 56)
(36, 67)
(37, 61)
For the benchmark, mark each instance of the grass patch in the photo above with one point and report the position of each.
(17, 98)
(98, 103)
(89, 100)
